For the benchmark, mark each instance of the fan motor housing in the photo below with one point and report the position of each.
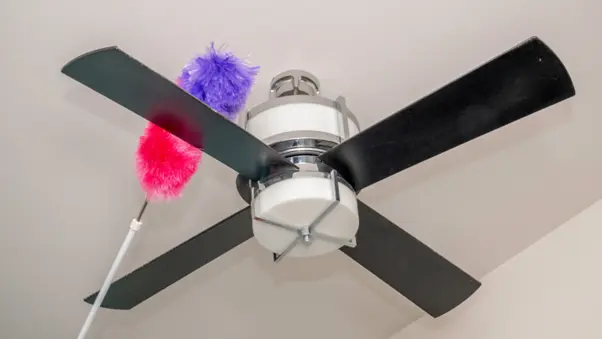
(312, 210)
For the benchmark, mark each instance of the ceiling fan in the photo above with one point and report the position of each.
(302, 159)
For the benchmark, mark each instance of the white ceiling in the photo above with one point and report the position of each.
(69, 189)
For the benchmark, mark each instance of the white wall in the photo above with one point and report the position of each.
(551, 290)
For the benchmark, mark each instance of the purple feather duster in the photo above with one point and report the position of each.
(220, 80)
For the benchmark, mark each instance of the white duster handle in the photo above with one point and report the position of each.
(134, 227)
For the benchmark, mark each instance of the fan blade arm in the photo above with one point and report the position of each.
(128, 82)
(172, 266)
(407, 265)
(520, 82)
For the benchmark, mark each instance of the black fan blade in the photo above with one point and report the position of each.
(128, 82)
(516, 84)
(178, 262)
(409, 266)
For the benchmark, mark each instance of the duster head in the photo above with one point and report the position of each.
(220, 80)
(164, 163)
